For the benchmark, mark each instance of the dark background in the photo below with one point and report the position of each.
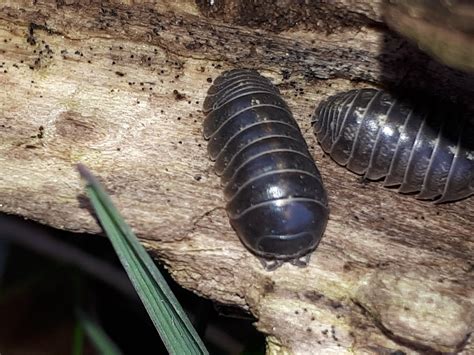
(42, 284)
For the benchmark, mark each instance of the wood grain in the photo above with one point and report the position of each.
(119, 86)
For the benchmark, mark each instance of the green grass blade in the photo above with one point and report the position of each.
(167, 315)
(78, 340)
(96, 334)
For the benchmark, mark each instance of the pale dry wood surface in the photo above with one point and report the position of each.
(119, 87)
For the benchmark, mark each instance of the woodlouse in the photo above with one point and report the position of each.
(423, 148)
(276, 201)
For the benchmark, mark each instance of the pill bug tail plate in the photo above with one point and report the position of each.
(275, 198)
(420, 147)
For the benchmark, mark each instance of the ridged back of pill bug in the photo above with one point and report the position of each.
(419, 147)
(275, 197)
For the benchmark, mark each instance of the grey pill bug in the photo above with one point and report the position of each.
(275, 198)
(423, 148)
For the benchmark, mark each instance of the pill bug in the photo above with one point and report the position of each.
(422, 148)
(275, 198)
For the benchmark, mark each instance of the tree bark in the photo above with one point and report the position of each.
(118, 86)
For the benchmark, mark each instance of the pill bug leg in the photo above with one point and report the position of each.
(271, 264)
(301, 262)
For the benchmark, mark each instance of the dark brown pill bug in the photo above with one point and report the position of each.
(276, 201)
(422, 148)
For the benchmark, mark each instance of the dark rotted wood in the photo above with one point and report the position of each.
(119, 86)
(374, 56)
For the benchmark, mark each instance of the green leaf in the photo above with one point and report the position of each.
(166, 313)
(96, 334)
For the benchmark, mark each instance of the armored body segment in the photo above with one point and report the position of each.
(276, 201)
(419, 148)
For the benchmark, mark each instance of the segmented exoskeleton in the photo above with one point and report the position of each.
(275, 197)
(424, 148)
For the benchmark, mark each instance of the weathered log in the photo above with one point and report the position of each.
(119, 87)
(444, 29)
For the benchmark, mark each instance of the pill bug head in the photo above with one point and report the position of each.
(284, 230)
(329, 117)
